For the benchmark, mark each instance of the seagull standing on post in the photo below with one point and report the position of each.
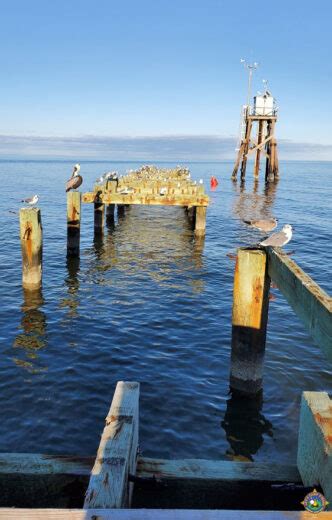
(31, 200)
(76, 180)
(279, 239)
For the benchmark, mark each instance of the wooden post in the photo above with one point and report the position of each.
(246, 149)
(31, 235)
(200, 221)
(191, 214)
(99, 217)
(73, 223)
(110, 212)
(314, 456)
(258, 152)
(116, 457)
(121, 210)
(249, 320)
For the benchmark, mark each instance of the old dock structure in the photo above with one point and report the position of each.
(263, 114)
(150, 186)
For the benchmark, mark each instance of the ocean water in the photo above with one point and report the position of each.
(148, 303)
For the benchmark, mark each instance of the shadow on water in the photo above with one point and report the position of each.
(33, 335)
(245, 426)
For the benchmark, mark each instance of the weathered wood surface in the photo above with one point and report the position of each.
(31, 235)
(117, 452)
(99, 217)
(312, 305)
(153, 200)
(201, 469)
(200, 221)
(154, 514)
(249, 320)
(40, 464)
(73, 223)
(314, 457)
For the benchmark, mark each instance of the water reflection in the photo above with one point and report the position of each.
(245, 426)
(71, 301)
(157, 242)
(33, 336)
(255, 205)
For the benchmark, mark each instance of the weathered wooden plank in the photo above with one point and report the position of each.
(312, 305)
(153, 200)
(200, 469)
(200, 221)
(249, 320)
(31, 235)
(154, 514)
(117, 452)
(40, 464)
(314, 457)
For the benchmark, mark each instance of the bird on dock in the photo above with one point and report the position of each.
(31, 200)
(163, 191)
(76, 180)
(279, 239)
(126, 191)
(265, 225)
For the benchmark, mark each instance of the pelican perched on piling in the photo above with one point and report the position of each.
(76, 180)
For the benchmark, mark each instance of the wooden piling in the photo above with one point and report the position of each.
(73, 223)
(31, 235)
(99, 217)
(110, 212)
(258, 151)
(121, 210)
(200, 221)
(314, 456)
(249, 320)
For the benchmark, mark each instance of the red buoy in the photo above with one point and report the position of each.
(213, 182)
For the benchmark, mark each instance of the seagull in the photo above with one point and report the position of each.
(279, 239)
(201, 181)
(163, 191)
(76, 180)
(31, 201)
(126, 191)
(265, 225)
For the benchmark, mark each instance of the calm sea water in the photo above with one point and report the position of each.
(149, 304)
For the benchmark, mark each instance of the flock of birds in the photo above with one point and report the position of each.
(277, 239)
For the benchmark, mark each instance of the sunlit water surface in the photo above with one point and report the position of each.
(148, 303)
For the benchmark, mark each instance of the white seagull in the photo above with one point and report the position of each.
(265, 225)
(279, 239)
(31, 200)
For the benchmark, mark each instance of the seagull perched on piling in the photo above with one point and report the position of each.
(31, 200)
(76, 180)
(279, 239)
(265, 225)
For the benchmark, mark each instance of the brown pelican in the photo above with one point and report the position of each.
(76, 180)
(265, 225)
(279, 239)
(31, 201)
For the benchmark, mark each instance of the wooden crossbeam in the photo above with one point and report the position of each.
(154, 514)
(153, 200)
(261, 145)
(312, 305)
(117, 452)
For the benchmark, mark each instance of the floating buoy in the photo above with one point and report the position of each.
(213, 182)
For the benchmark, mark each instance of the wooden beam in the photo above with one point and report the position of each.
(40, 464)
(312, 305)
(154, 514)
(116, 456)
(314, 456)
(31, 235)
(249, 320)
(200, 469)
(154, 200)
(260, 145)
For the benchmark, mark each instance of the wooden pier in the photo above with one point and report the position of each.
(153, 187)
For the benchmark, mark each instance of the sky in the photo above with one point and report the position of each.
(90, 77)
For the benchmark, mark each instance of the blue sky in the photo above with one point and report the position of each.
(162, 68)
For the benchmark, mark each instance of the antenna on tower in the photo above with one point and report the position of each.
(250, 67)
